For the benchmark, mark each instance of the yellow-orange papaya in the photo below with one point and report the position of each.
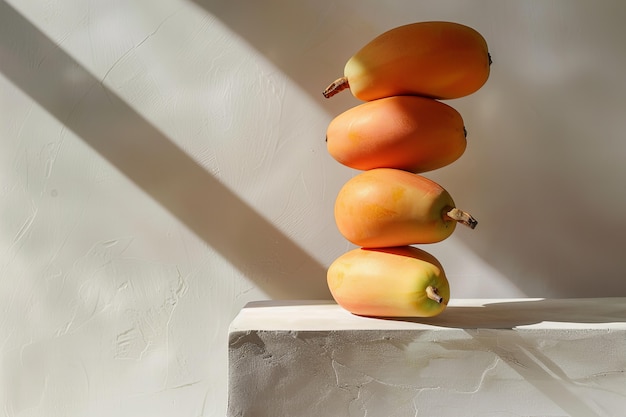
(389, 282)
(443, 60)
(411, 133)
(385, 207)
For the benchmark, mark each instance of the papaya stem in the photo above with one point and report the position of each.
(462, 217)
(433, 294)
(338, 85)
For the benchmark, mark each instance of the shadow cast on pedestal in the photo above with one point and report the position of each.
(509, 315)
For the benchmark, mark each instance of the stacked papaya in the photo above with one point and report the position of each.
(400, 131)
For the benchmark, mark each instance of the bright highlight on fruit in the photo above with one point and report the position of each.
(441, 60)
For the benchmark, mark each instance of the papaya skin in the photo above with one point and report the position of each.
(386, 207)
(411, 133)
(389, 282)
(442, 60)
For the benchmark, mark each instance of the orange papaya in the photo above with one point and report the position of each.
(385, 207)
(411, 133)
(443, 60)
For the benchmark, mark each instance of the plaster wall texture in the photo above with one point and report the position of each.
(162, 163)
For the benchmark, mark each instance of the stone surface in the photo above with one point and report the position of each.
(517, 357)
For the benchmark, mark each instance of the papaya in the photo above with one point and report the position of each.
(385, 207)
(411, 133)
(389, 282)
(442, 60)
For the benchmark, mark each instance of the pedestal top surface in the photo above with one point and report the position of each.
(526, 313)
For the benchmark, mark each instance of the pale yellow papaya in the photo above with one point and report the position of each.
(389, 282)
(442, 60)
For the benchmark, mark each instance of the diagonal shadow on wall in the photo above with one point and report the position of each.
(70, 93)
(300, 40)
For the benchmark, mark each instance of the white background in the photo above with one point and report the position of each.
(162, 162)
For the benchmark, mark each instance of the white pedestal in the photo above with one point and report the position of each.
(488, 358)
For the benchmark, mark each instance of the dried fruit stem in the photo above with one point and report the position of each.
(433, 294)
(462, 217)
(338, 85)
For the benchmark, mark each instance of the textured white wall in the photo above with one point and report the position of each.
(163, 163)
